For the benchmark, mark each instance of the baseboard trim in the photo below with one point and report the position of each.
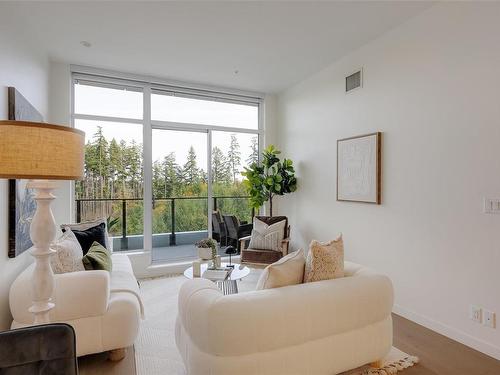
(452, 333)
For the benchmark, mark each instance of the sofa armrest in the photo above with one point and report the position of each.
(76, 295)
(285, 246)
(196, 296)
(243, 242)
(81, 294)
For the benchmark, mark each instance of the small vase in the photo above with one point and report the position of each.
(205, 253)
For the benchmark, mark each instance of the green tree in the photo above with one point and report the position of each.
(133, 155)
(190, 172)
(254, 153)
(221, 173)
(170, 174)
(158, 180)
(115, 167)
(97, 164)
(234, 156)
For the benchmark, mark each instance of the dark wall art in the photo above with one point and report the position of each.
(22, 206)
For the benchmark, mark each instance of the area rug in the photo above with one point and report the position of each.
(155, 350)
(393, 363)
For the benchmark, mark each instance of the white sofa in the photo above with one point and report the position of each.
(317, 328)
(104, 308)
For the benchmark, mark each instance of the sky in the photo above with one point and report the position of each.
(91, 100)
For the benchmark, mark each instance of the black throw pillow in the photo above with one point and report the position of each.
(87, 237)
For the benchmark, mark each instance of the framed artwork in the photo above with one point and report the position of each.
(359, 168)
(22, 206)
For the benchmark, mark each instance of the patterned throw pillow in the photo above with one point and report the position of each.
(267, 237)
(325, 261)
(68, 257)
(289, 270)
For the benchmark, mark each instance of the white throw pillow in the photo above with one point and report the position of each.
(289, 270)
(69, 253)
(89, 224)
(267, 237)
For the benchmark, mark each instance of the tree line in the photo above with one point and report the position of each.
(114, 169)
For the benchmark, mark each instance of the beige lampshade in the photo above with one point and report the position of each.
(34, 150)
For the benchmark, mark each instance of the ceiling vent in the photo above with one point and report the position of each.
(354, 81)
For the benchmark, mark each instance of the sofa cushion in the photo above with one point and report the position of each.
(289, 270)
(87, 237)
(270, 220)
(108, 243)
(267, 237)
(324, 260)
(97, 258)
(68, 256)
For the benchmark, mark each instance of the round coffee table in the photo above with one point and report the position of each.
(228, 286)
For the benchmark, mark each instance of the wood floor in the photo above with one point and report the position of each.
(438, 355)
(98, 364)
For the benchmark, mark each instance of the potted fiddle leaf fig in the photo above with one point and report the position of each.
(269, 178)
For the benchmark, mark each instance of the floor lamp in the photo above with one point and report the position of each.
(41, 153)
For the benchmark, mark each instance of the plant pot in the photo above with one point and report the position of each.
(205, 253)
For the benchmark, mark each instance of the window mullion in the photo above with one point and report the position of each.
(147, 171)
(209, 182)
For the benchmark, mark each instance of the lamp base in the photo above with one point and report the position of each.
(42, 233)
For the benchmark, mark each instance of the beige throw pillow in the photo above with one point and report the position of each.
(289, 270)
(325, 260)
(69, 253)
(267, 237)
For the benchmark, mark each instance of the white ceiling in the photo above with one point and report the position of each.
(272, 45)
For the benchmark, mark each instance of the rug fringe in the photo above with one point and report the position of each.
(393, 368)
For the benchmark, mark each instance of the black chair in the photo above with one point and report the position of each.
(48, 349)
(219, 228)
(236, 230)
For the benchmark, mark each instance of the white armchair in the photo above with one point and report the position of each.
(323, 327)
(104, 308)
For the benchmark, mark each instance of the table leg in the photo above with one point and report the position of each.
(228, 287)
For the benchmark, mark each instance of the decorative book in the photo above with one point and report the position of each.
(217, 274)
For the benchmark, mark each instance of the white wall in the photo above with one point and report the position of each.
(23, 67)
(60, 114)
(432, 86)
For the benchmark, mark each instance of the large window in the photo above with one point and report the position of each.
(158, 172)
(167, 107)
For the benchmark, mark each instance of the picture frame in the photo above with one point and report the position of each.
(21, 203)
(359, 168)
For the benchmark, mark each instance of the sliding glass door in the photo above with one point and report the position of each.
(231, 153)
(180, 193)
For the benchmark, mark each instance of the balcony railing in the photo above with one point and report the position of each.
(168, 222)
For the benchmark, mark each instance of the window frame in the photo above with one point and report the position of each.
(149, 86)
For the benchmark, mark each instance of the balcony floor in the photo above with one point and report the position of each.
(176, 253)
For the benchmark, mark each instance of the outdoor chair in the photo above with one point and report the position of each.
(236, 230)
(219, 228)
